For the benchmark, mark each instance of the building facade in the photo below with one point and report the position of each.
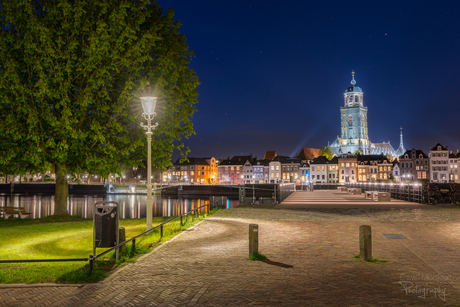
(333, 170)
(414, 165)
(195, 170)
(319, 170)
(454, 167)
(290, 170)
(348, 167)
(230, 171)
(439, 164)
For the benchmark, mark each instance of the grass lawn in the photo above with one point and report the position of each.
(60, 237)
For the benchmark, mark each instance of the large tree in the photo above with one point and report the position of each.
(71, 73)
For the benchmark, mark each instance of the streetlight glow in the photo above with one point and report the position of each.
(148, 104)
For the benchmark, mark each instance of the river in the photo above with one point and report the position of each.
(131, 206)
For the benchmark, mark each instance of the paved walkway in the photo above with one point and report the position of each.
(208, 266)
(338, 199)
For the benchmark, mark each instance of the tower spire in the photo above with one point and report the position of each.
(401, 139)
(353, 82)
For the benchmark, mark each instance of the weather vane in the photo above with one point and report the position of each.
(353, 82)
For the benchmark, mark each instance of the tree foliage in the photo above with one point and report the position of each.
(327, 152)
(71, 76)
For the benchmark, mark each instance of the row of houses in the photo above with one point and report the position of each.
(243, 169)
(439, 165)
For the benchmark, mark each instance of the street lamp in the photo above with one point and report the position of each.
(148, 104)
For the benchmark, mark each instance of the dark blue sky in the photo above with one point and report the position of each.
(273, 73)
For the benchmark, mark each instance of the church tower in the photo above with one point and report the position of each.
(353, 115)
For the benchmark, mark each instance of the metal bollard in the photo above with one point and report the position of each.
(133, 247)
(365, 243)
(161, 231)
(196, 213)
(253, 239)
(122, 236)
(91, 262)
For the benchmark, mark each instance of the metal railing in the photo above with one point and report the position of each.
(325, 186)
(263, 192)
(91, 258)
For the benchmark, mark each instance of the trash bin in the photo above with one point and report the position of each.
(105, 224)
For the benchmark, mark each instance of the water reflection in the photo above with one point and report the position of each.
(131, 206)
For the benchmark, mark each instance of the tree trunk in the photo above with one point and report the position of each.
(62, 191)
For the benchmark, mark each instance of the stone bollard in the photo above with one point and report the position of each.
(253, 239)
(365, 243)
(122, 238)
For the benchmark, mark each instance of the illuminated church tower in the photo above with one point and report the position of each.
(354, 133)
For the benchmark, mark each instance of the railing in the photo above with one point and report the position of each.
(91, 258)
(264, 192)
(325, 186)
(404, 191)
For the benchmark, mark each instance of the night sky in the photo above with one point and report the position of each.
(273, 73)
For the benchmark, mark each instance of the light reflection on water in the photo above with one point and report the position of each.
(131, 206)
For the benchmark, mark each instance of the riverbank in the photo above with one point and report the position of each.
(61, 237)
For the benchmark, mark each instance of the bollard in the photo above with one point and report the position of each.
(253, 239)
(241, 194)
(196, 213)
(161, 231)
(365, 243)
(133, 247)
(122, 236)
(91, 261)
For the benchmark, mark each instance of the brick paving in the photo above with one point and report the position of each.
(208, 266)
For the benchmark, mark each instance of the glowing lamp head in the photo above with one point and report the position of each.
(148, 101)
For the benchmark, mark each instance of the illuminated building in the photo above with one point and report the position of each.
(414, 165)
(354, 129)
(230, 171)
(195, 170)
(439, 164)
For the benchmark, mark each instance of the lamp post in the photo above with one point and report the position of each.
(148, 104)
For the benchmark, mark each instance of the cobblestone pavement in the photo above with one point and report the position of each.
(208, 266)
